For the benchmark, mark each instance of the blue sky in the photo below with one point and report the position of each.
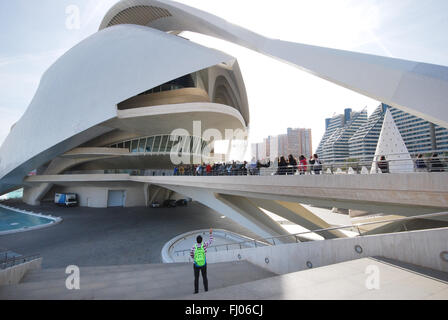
(35, 34)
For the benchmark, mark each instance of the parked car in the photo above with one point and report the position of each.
(66, 199)
(169, 203)
(155, 204)
(181, 202)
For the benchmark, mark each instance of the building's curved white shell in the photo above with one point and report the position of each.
(417, 88)
(81, 90)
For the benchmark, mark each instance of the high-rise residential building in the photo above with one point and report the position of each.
(299, 142)
(295, 141)
(267, 143)
(339, 129)
(282, 148)
(331, 125)
(254, 150)
(419, 135)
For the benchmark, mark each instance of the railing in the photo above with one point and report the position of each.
(13, 261)
(296, 236)
(439, 164)
(392, 164)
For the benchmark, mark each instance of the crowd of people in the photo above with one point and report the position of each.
(283, 166)
(290, 166)
(233, 168)
(430, 164)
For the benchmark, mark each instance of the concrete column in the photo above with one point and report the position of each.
(236, 208)
(298, 214)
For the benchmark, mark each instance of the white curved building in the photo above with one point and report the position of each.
(113, 100)
(121, 84)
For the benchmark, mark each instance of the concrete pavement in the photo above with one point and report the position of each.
(111, 236)
(352, 280)
(146, 281)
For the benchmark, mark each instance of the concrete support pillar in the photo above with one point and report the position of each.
(298, 214)
(236, 208)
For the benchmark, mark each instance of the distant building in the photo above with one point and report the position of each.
(339, 129)
(299, 142)
(362, 144)
(419, 135)
(296, 142)
(254, 150)
(353, 135)
(282, 141)
(267, 145)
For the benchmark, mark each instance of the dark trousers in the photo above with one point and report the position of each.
(203, 270)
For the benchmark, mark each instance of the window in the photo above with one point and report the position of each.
(127, 145)
(163, 144)
(171, 141)
(134, 145)
(149, 144)
(157, 143)
(141, 145)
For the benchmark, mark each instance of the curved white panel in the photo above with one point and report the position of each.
(417, 88)
(81, 89)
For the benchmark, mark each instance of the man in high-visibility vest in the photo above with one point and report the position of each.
(198, 253)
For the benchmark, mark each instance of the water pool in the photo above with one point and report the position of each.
(11, 220)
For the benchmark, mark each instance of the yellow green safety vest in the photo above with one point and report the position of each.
(199, 255)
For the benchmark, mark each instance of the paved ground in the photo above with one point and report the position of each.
(112, 236)
(343, 281)
(153, 281)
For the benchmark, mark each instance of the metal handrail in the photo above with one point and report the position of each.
(296, 235)
(13, 261)
(428, 164)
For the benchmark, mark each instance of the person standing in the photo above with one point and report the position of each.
(292, 169)
(316, 164)
(302, 164)
(383, 165)
(420, 164)
(198, 253)
(435, 164)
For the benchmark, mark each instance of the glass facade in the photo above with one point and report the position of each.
(163, 144)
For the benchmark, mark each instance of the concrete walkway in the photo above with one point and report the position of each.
(343, 281)
(111, 236)
(150, 281)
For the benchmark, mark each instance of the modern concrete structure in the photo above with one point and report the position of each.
(137, 108)
(392, 147)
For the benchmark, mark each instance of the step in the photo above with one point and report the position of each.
(59, 273)
(342, 281)
(166, 281)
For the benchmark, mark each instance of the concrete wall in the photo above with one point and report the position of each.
(422, 248)
(96, 197)
(15, 274)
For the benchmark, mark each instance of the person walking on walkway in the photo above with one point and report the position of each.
(198, 253)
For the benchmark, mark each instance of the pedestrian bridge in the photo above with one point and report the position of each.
(244, 198)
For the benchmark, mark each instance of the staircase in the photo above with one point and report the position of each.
(145, 281)
(342, 281)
